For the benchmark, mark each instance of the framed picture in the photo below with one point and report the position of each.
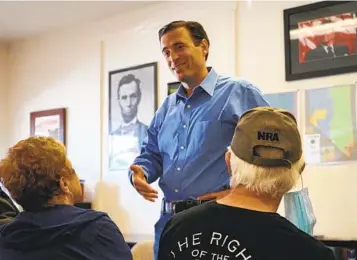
(320, 39)
(172, 87)
(49, 123)
(132, 105)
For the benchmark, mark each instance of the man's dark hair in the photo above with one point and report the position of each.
(128, 79)
(196, 30)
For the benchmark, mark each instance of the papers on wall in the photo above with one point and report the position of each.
(330, 124)
(311, 148)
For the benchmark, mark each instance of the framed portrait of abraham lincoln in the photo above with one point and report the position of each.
(132, 105)
(320, 39)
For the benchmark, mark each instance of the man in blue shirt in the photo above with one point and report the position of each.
(189, 134)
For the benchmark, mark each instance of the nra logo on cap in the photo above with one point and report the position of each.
(268, 136)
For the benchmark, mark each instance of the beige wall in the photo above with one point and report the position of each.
(4, 86)
(69, 68)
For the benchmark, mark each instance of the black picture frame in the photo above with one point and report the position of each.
(130, 70)
(133, 101)
(300, 62)
(172, 87)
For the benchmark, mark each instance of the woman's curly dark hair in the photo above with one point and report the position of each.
(32, 169)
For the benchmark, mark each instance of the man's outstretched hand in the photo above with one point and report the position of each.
(141, 185)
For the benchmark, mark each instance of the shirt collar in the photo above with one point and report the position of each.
(208, 84)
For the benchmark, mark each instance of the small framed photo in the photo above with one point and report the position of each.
(49, 123)
(132, 105)
(320, 39)
(172, 87)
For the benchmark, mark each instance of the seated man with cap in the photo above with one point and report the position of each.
(265, 160)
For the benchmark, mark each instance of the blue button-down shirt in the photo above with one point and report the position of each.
(188, 136)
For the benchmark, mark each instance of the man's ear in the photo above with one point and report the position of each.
(205, 47)
(227, 158)
(302, 168)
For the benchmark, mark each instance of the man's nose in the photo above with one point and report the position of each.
(125, 102)
(132, 102)
(173, 57)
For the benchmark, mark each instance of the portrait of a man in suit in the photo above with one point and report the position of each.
(129, 135)
(327, 48)
(129, 97)
(132, 105)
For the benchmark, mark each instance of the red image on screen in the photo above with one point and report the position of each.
(327, 37)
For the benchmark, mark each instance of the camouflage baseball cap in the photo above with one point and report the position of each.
(267, 127)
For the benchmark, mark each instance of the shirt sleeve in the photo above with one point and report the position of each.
(244, 97)
(109, 242)
(254, 97)
(150, 157)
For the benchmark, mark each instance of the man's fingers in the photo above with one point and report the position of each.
(149, 195)
(139, 183)
(149, 199)
(145, 190)
(143, 186)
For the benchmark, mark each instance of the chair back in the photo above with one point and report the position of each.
(143, 250)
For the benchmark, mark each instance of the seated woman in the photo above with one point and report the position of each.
(40, 178)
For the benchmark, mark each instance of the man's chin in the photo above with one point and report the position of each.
(128, 118)
(180, 76)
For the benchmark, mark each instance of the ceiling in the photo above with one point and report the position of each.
(19, 19)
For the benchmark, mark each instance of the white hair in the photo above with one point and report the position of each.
(264, 181)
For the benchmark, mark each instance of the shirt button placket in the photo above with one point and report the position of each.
(183, 141)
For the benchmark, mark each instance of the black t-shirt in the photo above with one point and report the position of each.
(218, 232)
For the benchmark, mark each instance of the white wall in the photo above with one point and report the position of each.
(261, 59)
(59, 70)
(65, 69)
(4, 85)
(68, 68)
